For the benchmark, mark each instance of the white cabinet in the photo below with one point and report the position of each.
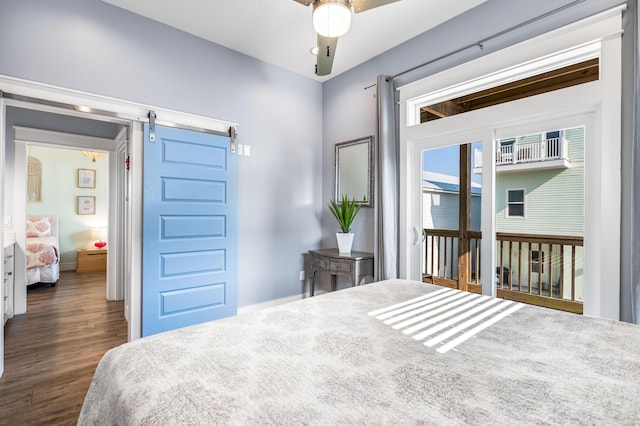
(8, 281)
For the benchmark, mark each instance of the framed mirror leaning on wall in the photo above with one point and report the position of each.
(354, 170)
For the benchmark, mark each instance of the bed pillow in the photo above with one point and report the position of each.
(39, 226)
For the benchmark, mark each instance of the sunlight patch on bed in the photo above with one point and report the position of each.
(450, 316)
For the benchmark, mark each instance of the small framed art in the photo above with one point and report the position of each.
(86, 178)
(86, 204)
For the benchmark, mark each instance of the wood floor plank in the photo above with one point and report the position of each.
(52, 351)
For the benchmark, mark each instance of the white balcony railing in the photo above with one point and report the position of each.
(519, 152)
(526, 152)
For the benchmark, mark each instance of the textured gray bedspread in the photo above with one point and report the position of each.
(326, 361)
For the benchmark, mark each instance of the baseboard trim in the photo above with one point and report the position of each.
(270, 303)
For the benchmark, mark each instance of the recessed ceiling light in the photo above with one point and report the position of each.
(314, 51)
(82, 108)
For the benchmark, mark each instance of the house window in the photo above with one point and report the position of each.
(515, 203)
(537, 261)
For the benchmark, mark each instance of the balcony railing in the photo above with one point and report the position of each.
(544, 270)
(526, 152)
(441, 257)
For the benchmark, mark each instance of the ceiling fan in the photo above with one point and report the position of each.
(331, 19)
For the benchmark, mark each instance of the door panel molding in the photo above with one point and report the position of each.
(190, 229)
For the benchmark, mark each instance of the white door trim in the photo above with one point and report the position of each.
(117, 224)
(2, 152)
(29, 136)
(134, 240)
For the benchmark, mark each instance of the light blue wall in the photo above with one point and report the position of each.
(94, 47)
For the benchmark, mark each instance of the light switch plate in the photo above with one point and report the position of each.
(247, 150)
(240, 148)
(7, 221)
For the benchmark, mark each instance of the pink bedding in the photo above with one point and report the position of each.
(42, 251)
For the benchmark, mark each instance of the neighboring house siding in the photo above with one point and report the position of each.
(554, 202)
(554, 199)
(440, 211)
(575, 139)
(530, 138)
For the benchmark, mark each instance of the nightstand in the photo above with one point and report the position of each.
(355, 265)
(92, 260)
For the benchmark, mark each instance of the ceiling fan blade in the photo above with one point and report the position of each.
(364, 5)
(326, 53)
(305, 2)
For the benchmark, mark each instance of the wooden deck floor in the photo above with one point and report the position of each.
(52, 351)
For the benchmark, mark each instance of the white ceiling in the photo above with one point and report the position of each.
(280, 32)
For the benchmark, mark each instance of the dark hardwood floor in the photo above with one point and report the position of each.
(52, 351)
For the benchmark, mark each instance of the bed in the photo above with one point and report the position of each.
(384, 353)
(42, 250)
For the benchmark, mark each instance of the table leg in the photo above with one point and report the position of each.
(313, 281)
(355, 275)
(334, 280)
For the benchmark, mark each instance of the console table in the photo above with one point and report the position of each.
(356, 265)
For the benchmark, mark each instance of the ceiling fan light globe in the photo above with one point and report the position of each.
(331, 18)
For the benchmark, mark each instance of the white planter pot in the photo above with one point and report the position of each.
(345, 241)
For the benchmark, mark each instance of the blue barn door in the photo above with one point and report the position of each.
(189, 272)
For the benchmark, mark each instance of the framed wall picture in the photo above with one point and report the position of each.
(86, 178)
(86, 204)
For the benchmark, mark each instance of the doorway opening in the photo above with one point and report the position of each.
(74, 192)
(48, 179)
(74, 189)
(451, 217)
(594, 105)
(69, 189)
(539, 213)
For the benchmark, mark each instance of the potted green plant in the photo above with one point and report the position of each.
(345, 213)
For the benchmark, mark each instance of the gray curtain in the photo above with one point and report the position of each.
(386, 199)
(630, 219)
(631, 312)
